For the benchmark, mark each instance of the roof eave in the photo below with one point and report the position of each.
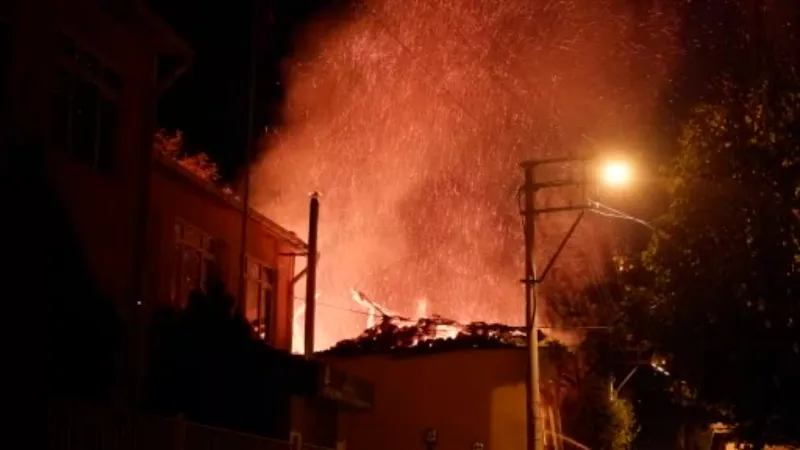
(287, 236)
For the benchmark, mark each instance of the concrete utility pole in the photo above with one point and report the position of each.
(311, 274)
(530, 212)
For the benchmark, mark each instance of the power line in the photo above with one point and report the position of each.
(342, 308)
(365, 313)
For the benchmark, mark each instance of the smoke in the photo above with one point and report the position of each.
(411, 119)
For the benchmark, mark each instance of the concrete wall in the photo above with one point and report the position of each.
(319, 421)
(466, 395)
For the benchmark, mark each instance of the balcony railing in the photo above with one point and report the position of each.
(81, 427)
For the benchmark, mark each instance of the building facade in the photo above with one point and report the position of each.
(92, 199)
(196, 229)
(82, 90)
(82, 84)
(470, 399)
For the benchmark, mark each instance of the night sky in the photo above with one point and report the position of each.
(209, 103)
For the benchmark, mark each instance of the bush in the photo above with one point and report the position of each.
(600, 419)
(206, 363)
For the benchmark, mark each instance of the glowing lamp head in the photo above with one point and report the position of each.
(615, 173)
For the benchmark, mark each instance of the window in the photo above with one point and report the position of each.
(84, 114)
(260, 297)
(195, 257)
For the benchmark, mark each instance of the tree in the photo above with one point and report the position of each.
(171, 146)
(207, 363)
(721, 275)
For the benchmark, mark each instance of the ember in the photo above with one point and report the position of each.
(397, 334)
(411, 117)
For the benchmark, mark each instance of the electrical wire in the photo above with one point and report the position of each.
(614, 213)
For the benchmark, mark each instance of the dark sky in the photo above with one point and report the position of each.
(209, 103)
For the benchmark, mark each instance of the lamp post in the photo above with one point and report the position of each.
(613, 173)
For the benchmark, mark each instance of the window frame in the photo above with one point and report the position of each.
(79, 64)
(208, 256)
(266, 317)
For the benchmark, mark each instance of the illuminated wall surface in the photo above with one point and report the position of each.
(466, 395)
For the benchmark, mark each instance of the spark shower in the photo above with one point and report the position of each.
(411, 117)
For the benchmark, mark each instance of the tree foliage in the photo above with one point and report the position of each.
(206, 363)
(171, 145)
(720, 279)
(599, 419)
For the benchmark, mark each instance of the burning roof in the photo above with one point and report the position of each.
(400, 335)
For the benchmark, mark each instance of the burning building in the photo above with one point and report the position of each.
(467, 389)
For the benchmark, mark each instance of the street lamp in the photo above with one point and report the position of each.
(615, 173)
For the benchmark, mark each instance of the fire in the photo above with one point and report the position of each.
(411, 118)
(412, 332)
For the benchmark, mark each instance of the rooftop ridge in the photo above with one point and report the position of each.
(228, 196)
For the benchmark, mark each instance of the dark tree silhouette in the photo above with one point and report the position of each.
(716, 290)
(207, 364)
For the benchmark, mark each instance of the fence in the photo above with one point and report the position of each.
(81, 427)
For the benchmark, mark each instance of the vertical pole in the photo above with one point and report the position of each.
(534, 431)
(249, 142)
(311, 275)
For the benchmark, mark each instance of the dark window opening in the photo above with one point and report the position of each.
(84, 108)
(84, 121)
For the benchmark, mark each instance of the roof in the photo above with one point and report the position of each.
(423, 337)
(231, 199)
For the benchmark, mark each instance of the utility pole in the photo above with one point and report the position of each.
(248, 152)
(534, 422)
(532, 280)
(311, 275)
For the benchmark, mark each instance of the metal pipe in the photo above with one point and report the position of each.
(311, 274)
(532, 400)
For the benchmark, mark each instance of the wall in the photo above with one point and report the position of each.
(176, 195)
(467, 395)
(316, 419)
(100, 206)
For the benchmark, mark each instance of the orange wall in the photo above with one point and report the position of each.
(175, 196)
(467, 395)
(316, 419)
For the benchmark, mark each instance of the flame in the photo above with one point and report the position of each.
(411, 332)
(419, 329)
(298, 341)
(411, 118)
(422, 307)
